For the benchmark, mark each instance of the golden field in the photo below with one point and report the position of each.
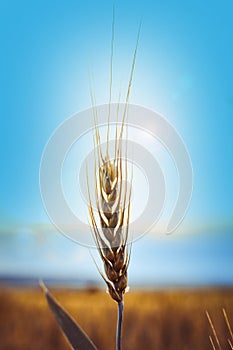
(170, 319)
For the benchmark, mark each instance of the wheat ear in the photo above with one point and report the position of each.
(112, 197)
(113, 209)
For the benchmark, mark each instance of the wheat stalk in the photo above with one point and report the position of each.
(112, 197)
(113, 212)
(110, 225)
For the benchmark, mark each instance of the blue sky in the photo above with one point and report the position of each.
(183, 70)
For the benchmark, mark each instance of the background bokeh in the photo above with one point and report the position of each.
(183, 70)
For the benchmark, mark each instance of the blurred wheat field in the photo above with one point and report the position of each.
(170, 319)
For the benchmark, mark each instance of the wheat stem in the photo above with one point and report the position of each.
(119, 325)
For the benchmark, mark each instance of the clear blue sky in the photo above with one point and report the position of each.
(183, 70)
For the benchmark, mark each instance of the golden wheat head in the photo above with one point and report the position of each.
(110, 222)
(112, 197)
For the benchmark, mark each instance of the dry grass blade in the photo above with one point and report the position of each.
(228, 325)
(229, 342)
(214, 332)
(212, 343)
(75, 335)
